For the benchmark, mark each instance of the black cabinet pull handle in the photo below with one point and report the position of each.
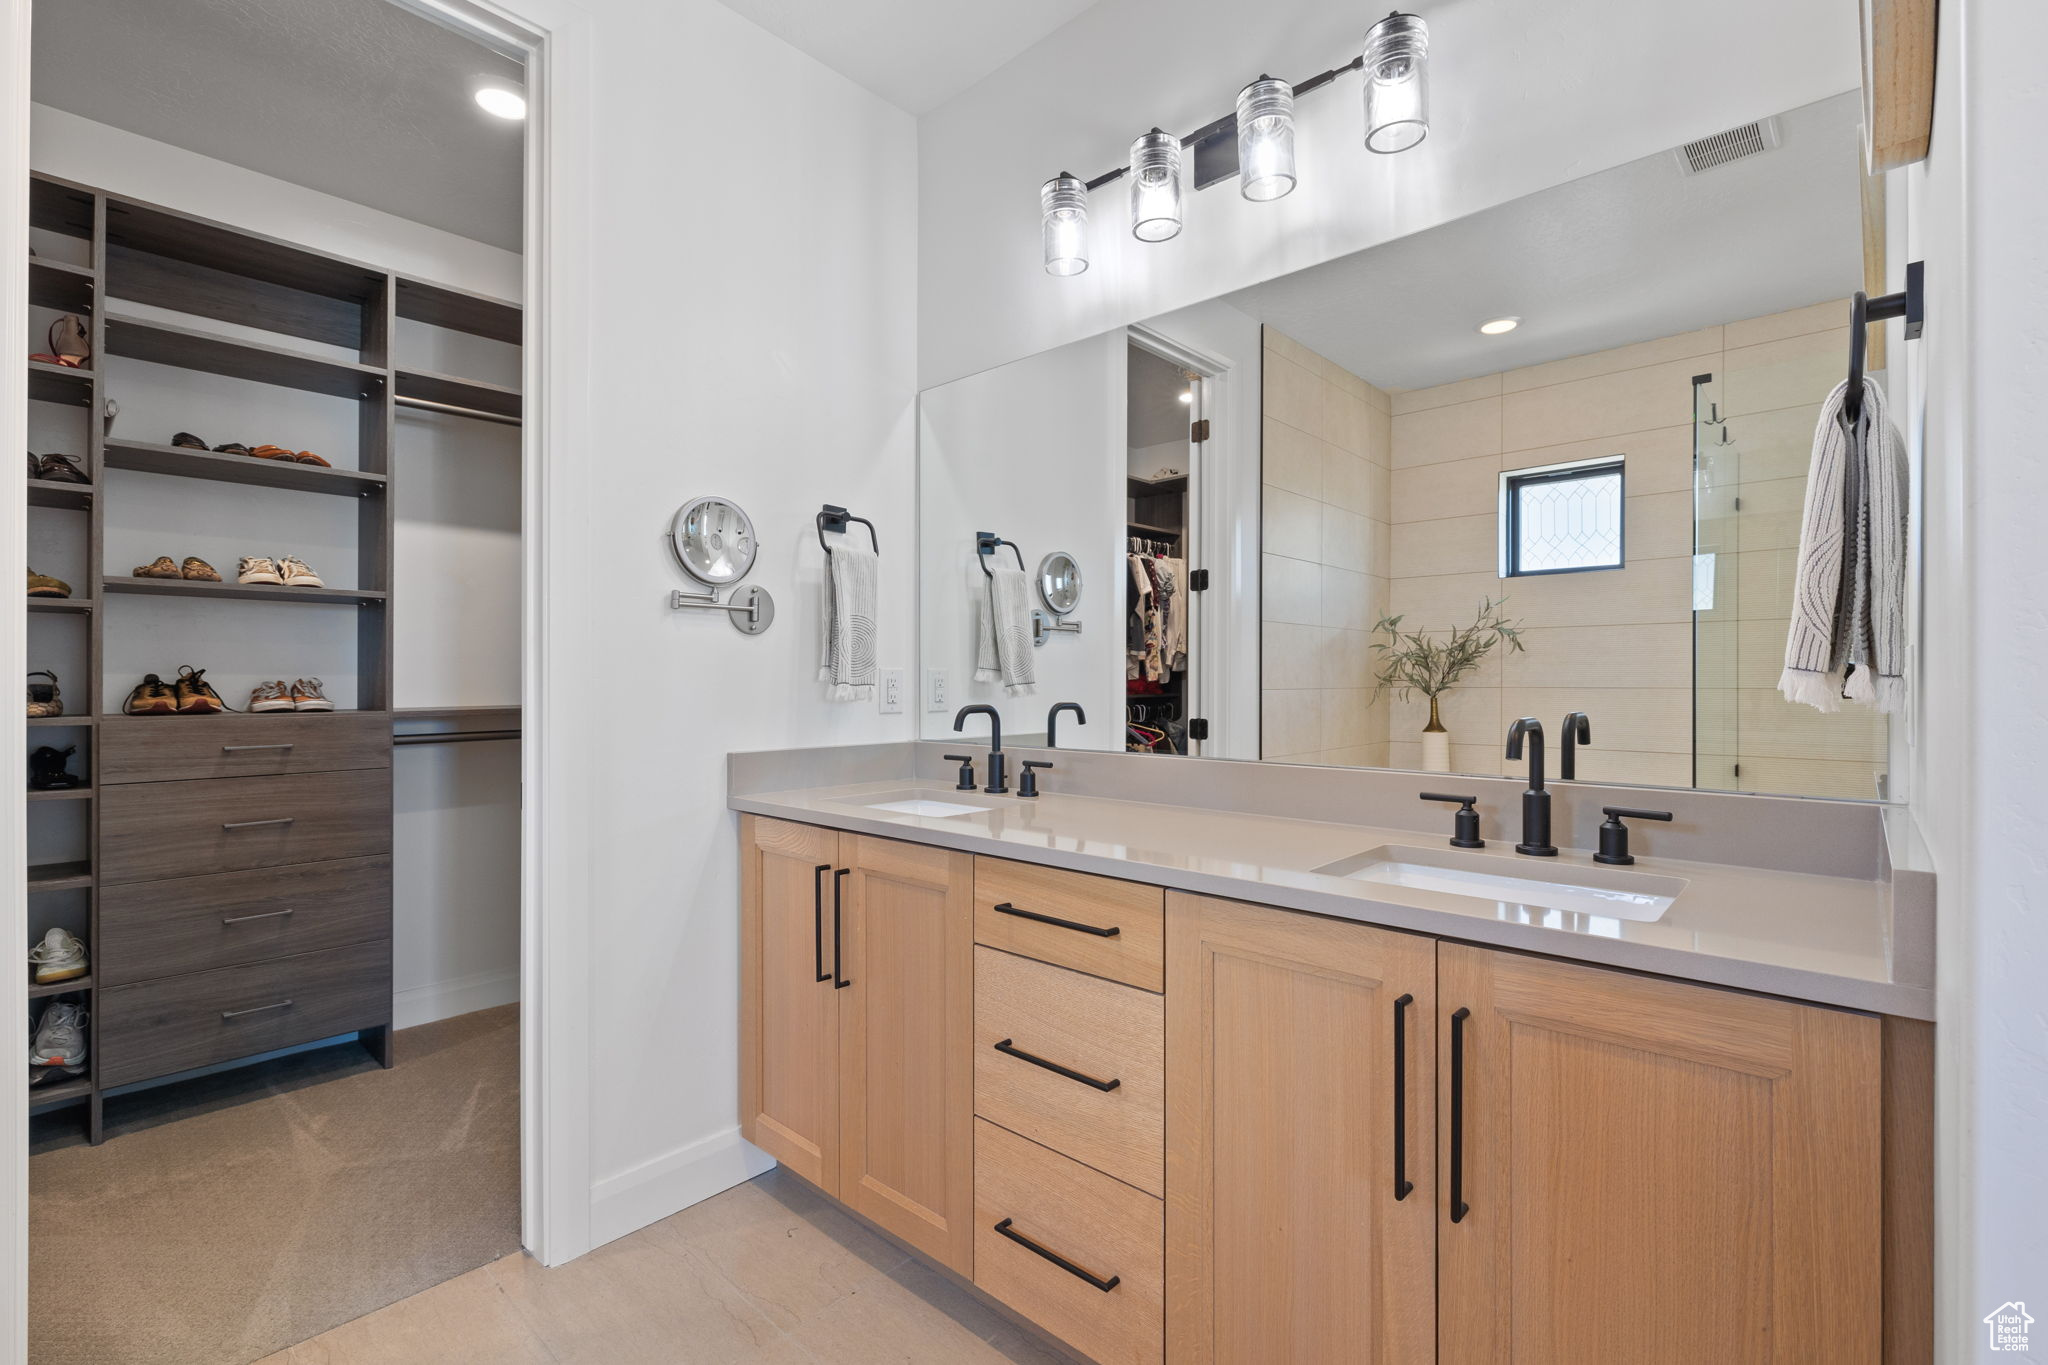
(839, 981)
(1459, 1208)
(1021, 1055)
(257, 824)
(1403, 1186)
(818, 919)
(255, 1009)
(1008, 909)
(249, 748)
(1062, 1262)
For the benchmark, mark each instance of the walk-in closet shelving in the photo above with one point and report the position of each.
(248, 308)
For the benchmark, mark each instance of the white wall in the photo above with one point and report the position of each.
(1032, 451)
(1982, 725)
(1524, 96)
(456, 484)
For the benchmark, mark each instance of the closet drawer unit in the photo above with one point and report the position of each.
(1073, 1062)
(1104, 1294)
(183, 1022)
(171, 748)
(189, 829)
(150, 930)
(1092, 924)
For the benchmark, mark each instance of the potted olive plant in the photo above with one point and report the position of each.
(1432, 663)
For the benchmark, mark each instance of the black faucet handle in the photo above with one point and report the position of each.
(966, 762)
(1465, 824)
(1614, 834)
(1027, 785)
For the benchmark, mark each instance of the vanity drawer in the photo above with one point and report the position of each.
(1092, 924)
(183, 1022)
(1111, 1035)
(194, 924)
(174, 748)
(223, 824)
(1100, 1227)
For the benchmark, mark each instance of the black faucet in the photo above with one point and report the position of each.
(997, 783)
(1577, 730)
(1535, 801)
(1052, 720)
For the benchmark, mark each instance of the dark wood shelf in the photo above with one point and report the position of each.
(1173, 531)
(37, 990)
(459, 310)
(1136, 487)
(59, 1092)
(188, 348)
(60, 604)
(69, 876)
(62, 794)
(49, 383)
(50, 493)
(170, 235)
(54, 284)
(242, 592)
(463, 393)
(59, 206)
(61, 722)
(183, 462)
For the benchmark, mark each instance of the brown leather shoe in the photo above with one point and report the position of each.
(272, 453)
(186, 440)
(195, 694)
(151, 697)
(42, 585)
(60, 469)
(163, 566)
(198, 570)
(308, 457)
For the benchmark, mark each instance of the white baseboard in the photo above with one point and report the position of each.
(673, 1181)
(446, 999)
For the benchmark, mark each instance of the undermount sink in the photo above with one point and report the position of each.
(919, 803)
(1610, 892)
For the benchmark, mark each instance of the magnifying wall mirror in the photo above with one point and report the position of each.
(1059, 582)
(713, 539)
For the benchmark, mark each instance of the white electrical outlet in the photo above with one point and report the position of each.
(935, 689)
(892, 692)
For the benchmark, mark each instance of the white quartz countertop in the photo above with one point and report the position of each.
(1830, 940)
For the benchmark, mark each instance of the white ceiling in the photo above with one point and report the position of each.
(1629, 254)
(916, 54)
(356, 98)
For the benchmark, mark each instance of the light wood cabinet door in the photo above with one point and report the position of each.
(789, 1012)
(1637, 1170)
(906, 1036)
(1288, 1238)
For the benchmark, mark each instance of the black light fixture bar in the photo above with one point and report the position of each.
(1215, 144)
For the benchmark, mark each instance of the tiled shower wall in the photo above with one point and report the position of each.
(1617, 644)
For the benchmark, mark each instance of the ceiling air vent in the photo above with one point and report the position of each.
(1722, 148)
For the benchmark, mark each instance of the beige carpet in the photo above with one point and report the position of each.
(228, 1217)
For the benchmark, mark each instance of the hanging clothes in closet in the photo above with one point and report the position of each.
(1156, 632)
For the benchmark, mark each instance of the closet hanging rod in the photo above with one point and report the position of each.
(1909, 303)
(456, 410)
(455, 737)
(836, 519)
(985, 543)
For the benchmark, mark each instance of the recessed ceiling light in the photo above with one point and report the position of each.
(1493, 327)
(501, 100)
(1187, 395)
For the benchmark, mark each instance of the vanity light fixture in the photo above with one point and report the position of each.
(1265, 140)
(1064, 202)
(1155, 187)
(501, 99)
(1494, 327)
(1253, 145)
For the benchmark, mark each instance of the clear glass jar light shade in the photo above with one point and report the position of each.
(1265, 139)
(1155, 187)
(1396, 69)
(1063, 200)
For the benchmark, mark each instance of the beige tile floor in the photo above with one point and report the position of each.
(768, 1273)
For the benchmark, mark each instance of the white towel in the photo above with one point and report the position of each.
(846, 644)
(1003, 648)
(1848, 632)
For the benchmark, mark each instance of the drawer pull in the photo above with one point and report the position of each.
(1008, 909)
(246, 748)
(839, 981)
(244, 919)
(1062, 1262)
(257, 824)
(1459, 1208)
(255, 1009)
(1403, 1186)
(818, 919)
(1021, 1055)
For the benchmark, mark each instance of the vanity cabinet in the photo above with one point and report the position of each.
(857, 1023)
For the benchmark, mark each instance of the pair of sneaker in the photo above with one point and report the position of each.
(59, 1046)
(190, 695)
(302, 694)
(59, 957)
(286, 571)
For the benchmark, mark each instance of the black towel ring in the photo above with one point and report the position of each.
(1909, 303)
(985, 543)
(836, 518)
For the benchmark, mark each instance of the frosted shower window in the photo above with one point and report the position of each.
(1562, 518)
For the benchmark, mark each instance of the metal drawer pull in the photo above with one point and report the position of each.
(1459, 1208)
(244, 919)
(1062, 1262)
(254, 824)
(1403, 1186)
(818, 919)
(1021, 1055)
(245, 748)
(839, 981)
(1008, 909)
(255, 1009)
